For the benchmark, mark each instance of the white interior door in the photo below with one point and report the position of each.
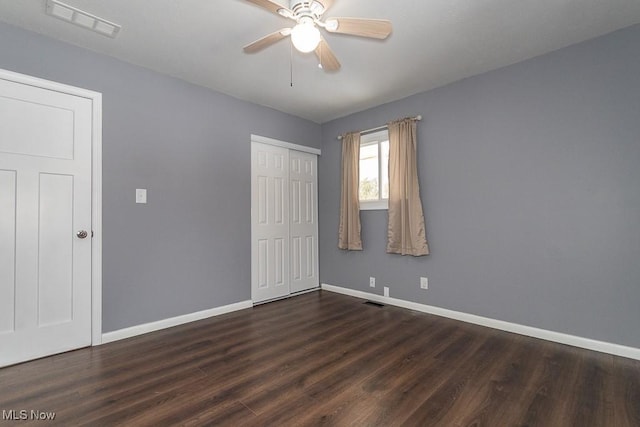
(45, 200)
(303, 228)
(270, 222)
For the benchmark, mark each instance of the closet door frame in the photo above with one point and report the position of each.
(254, 243)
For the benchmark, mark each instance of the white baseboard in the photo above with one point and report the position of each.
(133, 331)
(572, 340)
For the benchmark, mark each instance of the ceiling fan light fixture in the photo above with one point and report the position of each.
(331, 24)
(317, 8)
(305, 36)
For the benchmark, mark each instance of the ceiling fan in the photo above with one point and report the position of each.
(306, 36)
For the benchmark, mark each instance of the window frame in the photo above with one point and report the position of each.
(375, 138)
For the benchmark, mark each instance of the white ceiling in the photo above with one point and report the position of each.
(433, 43)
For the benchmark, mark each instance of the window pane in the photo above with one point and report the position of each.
(368, 187)
(384, 169)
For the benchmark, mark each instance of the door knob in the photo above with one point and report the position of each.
(81, 234)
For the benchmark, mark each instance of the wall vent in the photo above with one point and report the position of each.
(373, 303)
(81, 18)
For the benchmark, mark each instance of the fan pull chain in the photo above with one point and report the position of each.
(291, 63)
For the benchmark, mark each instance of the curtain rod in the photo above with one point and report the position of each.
(364, 132)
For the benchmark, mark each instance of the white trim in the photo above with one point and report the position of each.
(284, 144)
(96, 223)
(572, 340)
(145, 328)
(96, 183)
(47, 84)
(374, 205)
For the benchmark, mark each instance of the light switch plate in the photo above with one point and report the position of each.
(141, 195)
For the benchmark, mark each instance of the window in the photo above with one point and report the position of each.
(373, 187)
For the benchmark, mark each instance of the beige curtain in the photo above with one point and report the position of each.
(349, 232)
(406, 233)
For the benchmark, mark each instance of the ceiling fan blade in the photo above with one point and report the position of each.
(373, 28)
(273, 7)
(267, 40)
(327, 58)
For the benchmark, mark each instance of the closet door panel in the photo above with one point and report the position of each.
(303, 227)
(269, 222)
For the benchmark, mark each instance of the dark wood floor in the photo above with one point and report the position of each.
(328, 359)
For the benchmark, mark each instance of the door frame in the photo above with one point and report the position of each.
(284, 144)
(96, 186)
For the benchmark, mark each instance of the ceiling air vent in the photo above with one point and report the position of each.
(81, 18)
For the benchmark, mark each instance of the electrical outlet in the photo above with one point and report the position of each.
(372, 282)
(141, 195)
(424, 283)
(386, 291)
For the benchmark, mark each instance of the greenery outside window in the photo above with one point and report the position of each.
(373, 188)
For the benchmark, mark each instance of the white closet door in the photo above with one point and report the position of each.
(303, 228)
(45, 200)
(270, 222)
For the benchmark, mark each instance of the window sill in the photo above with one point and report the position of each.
(377, 205)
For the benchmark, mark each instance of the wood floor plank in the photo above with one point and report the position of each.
(372, 357)
(485, 398)
(366, 401)
(507, 394)
(148, 360)
(626, 392)
(327, 359)
(545, 395)
(434, 409)
(592, 403)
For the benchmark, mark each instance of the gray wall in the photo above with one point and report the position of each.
(530, 181)
(189, 248)
(530, 184)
